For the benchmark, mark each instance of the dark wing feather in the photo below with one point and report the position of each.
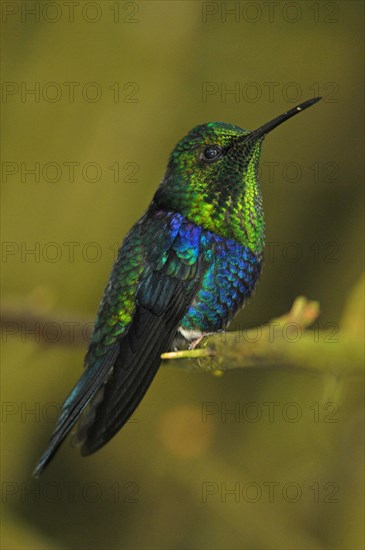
(166, 290)
(150, 335)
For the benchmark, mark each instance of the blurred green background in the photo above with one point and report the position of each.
(117, 84)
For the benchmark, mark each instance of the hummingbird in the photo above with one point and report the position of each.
(182, 272)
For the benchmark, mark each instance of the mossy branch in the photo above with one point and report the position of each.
(286, 343)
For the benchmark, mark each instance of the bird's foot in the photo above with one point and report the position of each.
(197, 340)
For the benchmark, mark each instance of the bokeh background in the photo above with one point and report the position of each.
(117, 84)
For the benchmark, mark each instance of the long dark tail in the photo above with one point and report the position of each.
(118, 381)
(85, 389)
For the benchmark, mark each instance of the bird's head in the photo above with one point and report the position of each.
(212, 179)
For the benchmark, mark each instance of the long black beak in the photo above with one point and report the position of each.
(266, 128)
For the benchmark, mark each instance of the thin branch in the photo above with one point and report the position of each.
(284, 343)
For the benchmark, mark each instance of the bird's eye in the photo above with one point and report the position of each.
(211, 153)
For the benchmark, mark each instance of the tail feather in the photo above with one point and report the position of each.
(88, 385)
